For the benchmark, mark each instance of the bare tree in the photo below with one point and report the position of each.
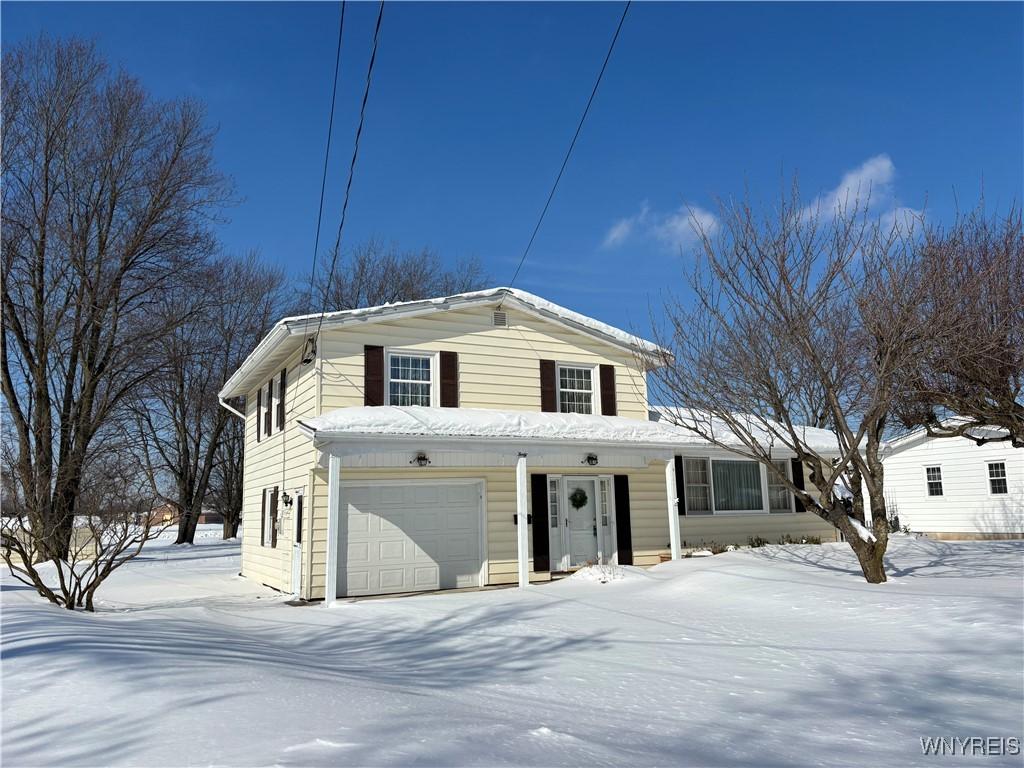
(225, 313)
(793, 302)
(112, 524)
(375, 273)
(226, 482)
(106, 201)
(973, 374)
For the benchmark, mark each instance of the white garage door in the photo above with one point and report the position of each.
(407, 538)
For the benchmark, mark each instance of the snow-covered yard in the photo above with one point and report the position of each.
(770, 657)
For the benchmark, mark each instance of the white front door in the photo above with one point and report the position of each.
(581, 495)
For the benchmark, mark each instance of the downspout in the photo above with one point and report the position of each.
(225, 406)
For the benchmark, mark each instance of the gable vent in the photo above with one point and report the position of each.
(500, 319)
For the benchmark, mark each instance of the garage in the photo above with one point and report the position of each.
(410, 536)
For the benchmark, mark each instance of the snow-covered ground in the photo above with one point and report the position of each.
(768, 657)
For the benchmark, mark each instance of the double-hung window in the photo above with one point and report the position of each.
(997, 478)
(575, 389)
(698, 486)
(737, 486)
(779, 498)
(410, 379)
(933, 478)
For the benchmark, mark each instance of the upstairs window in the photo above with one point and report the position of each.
(410, 379)
(933, 477)
(997, 478)
(575, 389)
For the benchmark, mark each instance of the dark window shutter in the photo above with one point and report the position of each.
(273, 518)
(623, 530)
(263, 518)
(609, 406)
(268, 415)
(259, 414)
(280, 399)
(548, 387)
(798, 480)
(373, 375)
(541, 550)
(680, 485)
(449, 379)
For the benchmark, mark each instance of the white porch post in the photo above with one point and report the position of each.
(522, 540)
(673, 506)
(333, 512)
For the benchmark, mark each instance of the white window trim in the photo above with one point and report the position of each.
(942, 480)
(765, 500)
(1006, 477)
(787, 467)
(435, 384)
(595, 385)
(711, 489)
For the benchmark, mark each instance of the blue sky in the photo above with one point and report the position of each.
(473, 106)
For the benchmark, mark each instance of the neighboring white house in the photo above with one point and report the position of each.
(953, 488)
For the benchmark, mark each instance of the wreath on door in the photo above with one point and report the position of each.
(578, 498)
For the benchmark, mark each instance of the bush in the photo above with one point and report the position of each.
(757, 541)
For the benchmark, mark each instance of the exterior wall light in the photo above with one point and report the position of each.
(286, 499)
(590, 460)
(421, 460)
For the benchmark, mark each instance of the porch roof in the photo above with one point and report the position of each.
(492, 426)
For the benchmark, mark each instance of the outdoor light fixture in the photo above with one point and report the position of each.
(590, 460)
(309, 353)
(286, 499)
(421, 460)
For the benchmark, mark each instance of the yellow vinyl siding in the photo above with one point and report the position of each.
(282, 459)
(648, 512)
(701, 530)
(498, 367)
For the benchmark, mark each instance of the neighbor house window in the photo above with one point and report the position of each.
(779, 498)
(410, 379)
(933, 476)
(698, 485)
(997, 477)
(737, 486)
(575, 389)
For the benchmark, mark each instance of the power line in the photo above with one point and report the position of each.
(327, 156)
(351, 169)
(572, 144)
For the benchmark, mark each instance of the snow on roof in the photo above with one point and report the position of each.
(529, 426)
(418, 421)
(513, 296)
(764, 431)
(287, 334)
(907, 439)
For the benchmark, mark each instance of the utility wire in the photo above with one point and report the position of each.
(327, 156)
(572, 144)
(351, 170)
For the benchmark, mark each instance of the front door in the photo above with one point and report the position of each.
(581, 494)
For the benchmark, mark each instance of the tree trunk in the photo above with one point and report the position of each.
(230, 528)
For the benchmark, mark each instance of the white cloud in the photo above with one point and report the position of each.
(622, 229)
(680, 229)
(870, 186)
(684, 228)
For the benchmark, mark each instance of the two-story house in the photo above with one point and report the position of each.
(484, 438)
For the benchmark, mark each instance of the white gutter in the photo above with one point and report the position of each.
(226, 407)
